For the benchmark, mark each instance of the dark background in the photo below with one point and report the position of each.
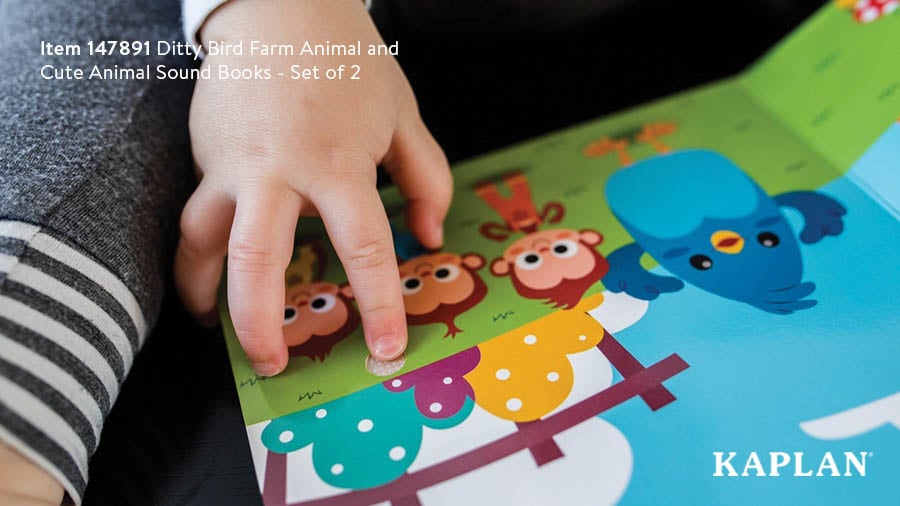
(486, 76)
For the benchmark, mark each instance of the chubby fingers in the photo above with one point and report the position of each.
(358, 227)
(419, 168)
(259, 250)
(205, 224)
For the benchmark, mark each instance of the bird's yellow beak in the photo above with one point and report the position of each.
(727, 241)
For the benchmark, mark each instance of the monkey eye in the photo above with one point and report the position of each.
(290, 314)
(529, 261)
(565, 248)
(446, 273)
(410, 285)
(322, 303)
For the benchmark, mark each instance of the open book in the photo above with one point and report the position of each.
(694, 301)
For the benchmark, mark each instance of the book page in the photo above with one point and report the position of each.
(689, 299)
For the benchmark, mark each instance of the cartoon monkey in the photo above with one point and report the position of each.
(518, 211)
(554, 265)
(441, 286)
(307, 263)
(316, 317)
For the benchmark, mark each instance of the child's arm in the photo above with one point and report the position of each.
(24, 483)
(93, 175)
(273, 149)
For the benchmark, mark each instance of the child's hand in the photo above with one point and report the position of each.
(24, 483)
(270, 150)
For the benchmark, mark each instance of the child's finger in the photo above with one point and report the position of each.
(259, 251)
(419, 167)
(358, 227)
(205, 224)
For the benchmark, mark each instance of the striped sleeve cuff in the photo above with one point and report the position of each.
(69, 330)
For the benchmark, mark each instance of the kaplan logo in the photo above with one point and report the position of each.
(853, 464)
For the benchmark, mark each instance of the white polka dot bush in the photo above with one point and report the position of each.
(371, 437)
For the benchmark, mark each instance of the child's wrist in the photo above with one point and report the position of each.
(24, 481)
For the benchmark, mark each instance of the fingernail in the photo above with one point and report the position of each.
(266, 369)
(387, 348)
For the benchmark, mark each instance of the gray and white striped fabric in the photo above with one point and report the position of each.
(69, 330)
(93, 175)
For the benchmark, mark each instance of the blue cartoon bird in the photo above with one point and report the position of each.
(705, 221)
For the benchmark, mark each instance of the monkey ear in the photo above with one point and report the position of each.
(500, 267)
(347, 292)
(590, 237)
(473, 261)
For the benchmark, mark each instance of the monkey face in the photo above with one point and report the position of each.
(557, 265)
(541, 260)
(315, 309)
(441, 278)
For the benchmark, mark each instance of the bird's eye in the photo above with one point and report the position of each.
(410, 285)
(566, 248)
(446, 273)
(701, 262)
(322, 303)
(768, 239)
(290, 314)
(529, 261)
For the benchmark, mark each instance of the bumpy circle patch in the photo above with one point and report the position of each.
(385, 368)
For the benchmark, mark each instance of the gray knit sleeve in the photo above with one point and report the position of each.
(93, 174)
